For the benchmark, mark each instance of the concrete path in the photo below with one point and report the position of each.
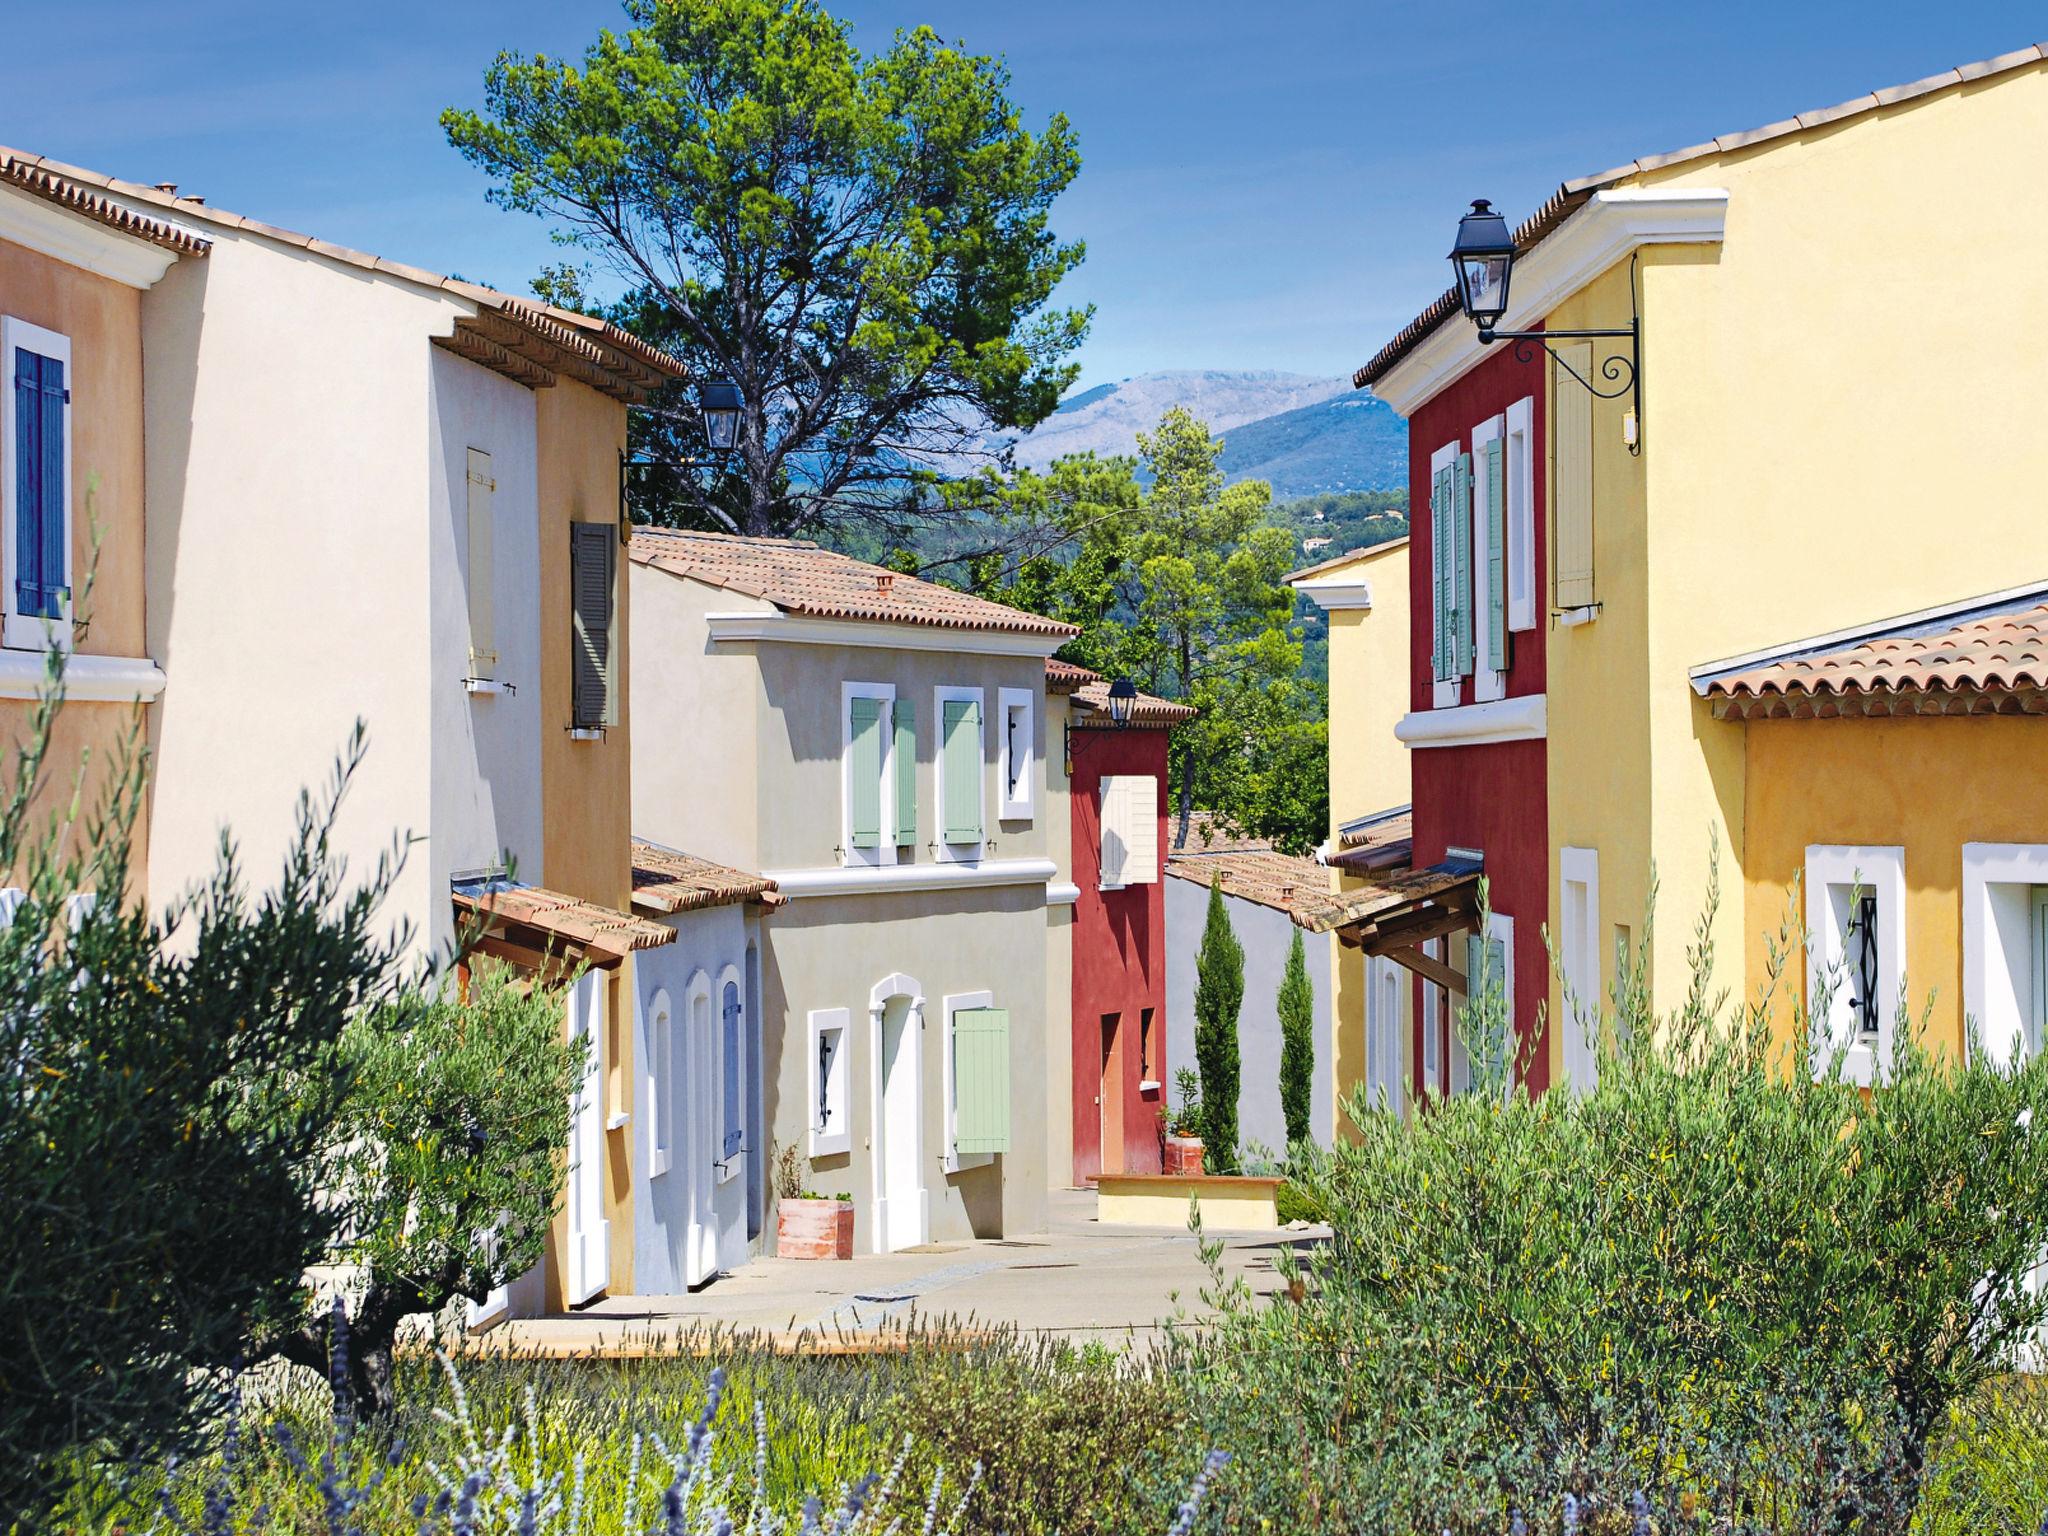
(1080, 1280)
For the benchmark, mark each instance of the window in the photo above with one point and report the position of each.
(960, 772)
(732, 1074)
(1490, 567)
(35, 485)
(1450, 523)
(1149, 1069)
(1490, 964)
(593, 548)
(1571, 479)
(977, 1079)
(1019, 755)
(2005, 949)
(1432, 1036)
(878, 753)
(1624, 973)
(480, 569)
(1383, 1033)
(831, 1129)
(1578, 877)
(1521, 514)
(1130, 830)
(661, 1069)
(1855, 921)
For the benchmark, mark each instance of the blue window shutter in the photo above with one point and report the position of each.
(864, 792)
(732, 1056)
(39, 530)
(981, 1080)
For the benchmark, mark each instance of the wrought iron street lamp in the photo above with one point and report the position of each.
(1483, 257)
(1123, 694)
(718, 403)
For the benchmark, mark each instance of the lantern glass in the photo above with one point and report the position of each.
(720, 402)
(1123, 693)
(1484, 259)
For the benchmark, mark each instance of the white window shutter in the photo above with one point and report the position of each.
(482, 568)
(1142, 835)
(1571, 490)
(1115, 834)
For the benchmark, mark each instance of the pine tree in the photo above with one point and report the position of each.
(1219, 998)
(1297, 1043)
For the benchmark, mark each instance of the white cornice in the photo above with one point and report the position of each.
(90, 679)
(1062, 894)
(1525, 718)
(1336, 593)
(798, 629)
(882, 879)
(83, 242)
(1604, 229)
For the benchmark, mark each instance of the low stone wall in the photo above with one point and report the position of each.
(1227, 1203)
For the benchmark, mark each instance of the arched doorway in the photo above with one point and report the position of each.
(896, 1049)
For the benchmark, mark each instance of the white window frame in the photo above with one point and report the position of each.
(837, 1088)
(1489, 676)
(1023, 805)
(660, 1078)
(1446, 692)
(1501, 927)
(950, 1004)
(1520, 481)
(701, 1109)
(2004, 1015)
(20, 631)
(726, 1169)
(1384, 992)
(1578, 949)
(1882, 871)
(960, 853)
(885, 853)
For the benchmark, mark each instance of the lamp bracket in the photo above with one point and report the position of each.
(1623, 373)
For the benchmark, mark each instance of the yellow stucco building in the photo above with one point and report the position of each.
(1364, 595)
(1836, 444)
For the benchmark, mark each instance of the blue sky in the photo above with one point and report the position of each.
(1265, 185)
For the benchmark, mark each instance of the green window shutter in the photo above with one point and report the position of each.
(904, 715)
(1442, 663)
(591, 546)
(961, 720)
(1496, 557)
(864, 791)
(1461, 565)
(981, 1080)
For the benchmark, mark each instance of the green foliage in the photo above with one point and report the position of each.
(165, 1113)
(1293, 1203)
(1296, 1008)
(860, 243)
(1990, 1473)
(450, 1164)
(1219, 1000)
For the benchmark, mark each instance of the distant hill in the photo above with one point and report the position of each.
(1306, 435)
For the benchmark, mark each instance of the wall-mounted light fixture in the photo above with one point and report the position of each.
(718, 402)
(1483, 256)
(1123, 694)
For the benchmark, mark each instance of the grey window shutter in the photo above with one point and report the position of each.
(591, 547)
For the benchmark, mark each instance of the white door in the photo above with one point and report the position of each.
(729, 1186)
(700, 1139)
(900, 1207)
(589, 1255)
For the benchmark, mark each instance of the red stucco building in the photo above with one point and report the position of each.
(1117, 793)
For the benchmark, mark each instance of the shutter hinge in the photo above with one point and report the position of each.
(67, 397)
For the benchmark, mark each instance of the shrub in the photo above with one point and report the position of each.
(1296, 1008)
(1219, 999)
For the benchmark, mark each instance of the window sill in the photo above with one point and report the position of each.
(618, 1119)
(586, 733)
(88, 679)
(659, 1166)
(961, 1162)
(728, 1170)
(1572, 618)
(486, 685)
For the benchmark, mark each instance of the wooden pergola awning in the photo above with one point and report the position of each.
(1400, 912)
(533, 927)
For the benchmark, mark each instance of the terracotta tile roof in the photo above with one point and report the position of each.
(1067, 676)
(665, 882)
(522, 338)
(1374, 843)
(81, 199)
(1253, 871)
(1346, 558)
(1569, 196)
(1991, 664)
(1395, 899)
(554, 916)
(799, 577)
(1146, 709)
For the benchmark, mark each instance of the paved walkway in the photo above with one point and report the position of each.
(1080, 1280)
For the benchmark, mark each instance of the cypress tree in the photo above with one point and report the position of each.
(1297, 1043)
(1219, 998)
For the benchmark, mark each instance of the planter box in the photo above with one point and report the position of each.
(1183, 1156)
(814, 1229)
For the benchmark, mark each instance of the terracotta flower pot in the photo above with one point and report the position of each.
(1183, 1156)
(814, 1229)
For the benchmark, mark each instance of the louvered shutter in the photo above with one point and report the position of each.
(1116, 844)
(732, 1059)
(1571, 479)
(905, 717)
(1141, 829)
(864, 788)
(1443, 663)
(1494, 481)
(1461, 565)
(482, 568)
(591, 547)
(961, 720)
(39, 493)
(981, 1080)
